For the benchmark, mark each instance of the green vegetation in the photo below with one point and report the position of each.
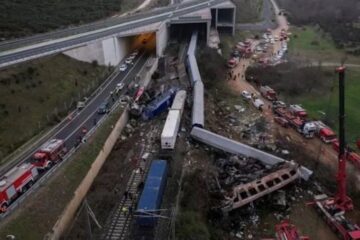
(37, 95)
(338, 18)
(25, 17)
(191, 227)
(315, 44)
(191, 223)
(52, 197)
(328, 103)
(248, 11)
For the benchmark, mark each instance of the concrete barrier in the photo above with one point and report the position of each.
(68, 214)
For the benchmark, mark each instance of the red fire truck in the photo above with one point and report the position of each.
(15, 182)
(49, 154)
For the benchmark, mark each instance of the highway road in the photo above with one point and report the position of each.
(61, 33)
(71, 130)
(55, 42)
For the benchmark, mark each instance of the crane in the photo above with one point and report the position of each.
(333, 209)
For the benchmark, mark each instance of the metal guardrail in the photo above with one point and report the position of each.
(49, 173)
(30, 147)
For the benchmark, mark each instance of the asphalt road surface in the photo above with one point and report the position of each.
(71, 130)
(7, 58)
(21, 42)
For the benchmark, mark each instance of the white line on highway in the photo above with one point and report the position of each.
(90, 115)
(99, 30)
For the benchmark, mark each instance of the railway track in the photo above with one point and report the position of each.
(119, 222)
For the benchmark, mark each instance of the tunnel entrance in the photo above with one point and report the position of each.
(145, 42)
(181, 32)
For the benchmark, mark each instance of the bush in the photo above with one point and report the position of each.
(190, 226)
(333, 16)
(209, 63)
(16, 20)
(315, 43)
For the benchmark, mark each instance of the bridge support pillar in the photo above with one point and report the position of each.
(106, 52)
(225, 16)
(162, 36)
(114, 50)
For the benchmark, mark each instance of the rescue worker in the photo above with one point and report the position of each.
(83, 130)
(125, 210)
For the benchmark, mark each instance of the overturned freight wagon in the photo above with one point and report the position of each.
(148, 208)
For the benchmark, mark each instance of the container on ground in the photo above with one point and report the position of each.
(170, 130)
(148, 207)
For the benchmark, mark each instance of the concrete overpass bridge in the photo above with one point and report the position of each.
(108, 41)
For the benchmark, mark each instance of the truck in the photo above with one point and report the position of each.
(327, 135)
(148, 208)
(306, 128)
(324, 132)
(268, 93)
(15, 182)
(49, 154)
(170, 130)
(159, 105)
(298, 111)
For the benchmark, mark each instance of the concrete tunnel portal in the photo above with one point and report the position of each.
(181, 32)
(113, 50)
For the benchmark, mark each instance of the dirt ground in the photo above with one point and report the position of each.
(319, 157)
(139, 137)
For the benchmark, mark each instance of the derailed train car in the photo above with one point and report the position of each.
(148, 208)
(198, 86)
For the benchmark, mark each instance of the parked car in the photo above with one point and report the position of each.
(129, 61)
(104, 108)
(119, 87)
(81, 104)
(258, 103)
(123, 67)
(135, 53)
(246, 95)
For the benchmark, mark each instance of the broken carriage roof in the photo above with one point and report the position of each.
(234, 147)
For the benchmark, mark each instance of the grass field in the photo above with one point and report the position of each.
(248, 11)
(34, 220)
(328, 103)
(27, 17)
(36, 95)
(312, 43)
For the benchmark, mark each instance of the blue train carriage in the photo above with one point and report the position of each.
(148, 208)
(159, 105)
